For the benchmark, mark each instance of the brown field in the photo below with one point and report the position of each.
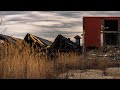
(21, 62)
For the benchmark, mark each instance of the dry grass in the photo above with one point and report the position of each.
(20, 62)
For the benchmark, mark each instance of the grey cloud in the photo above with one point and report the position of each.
(64, 25)
(95, 13)
(38, 18)
(11, 12)
(71, 14)
(28, 18)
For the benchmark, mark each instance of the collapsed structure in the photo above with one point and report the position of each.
(37, 42)
(62, 43)
(9, 39)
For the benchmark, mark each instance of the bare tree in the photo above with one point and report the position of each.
(1, 21)
(3, 31)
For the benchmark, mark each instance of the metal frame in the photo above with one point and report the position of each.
(103, 32)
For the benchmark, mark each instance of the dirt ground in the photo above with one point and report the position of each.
(109, 73)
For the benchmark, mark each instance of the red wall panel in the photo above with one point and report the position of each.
(92, 27)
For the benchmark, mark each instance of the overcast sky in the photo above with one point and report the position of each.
(47, 24)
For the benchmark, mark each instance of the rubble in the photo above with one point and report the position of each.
(111, 52)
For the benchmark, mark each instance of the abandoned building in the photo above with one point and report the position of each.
(37, 41)
(64, 44)
(9, 39)
(101, 31)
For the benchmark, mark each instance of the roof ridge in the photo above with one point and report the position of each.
(66, 39)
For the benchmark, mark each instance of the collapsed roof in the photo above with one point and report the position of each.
(37, 41)
(61, 43)
(9, 39)
(64, 44)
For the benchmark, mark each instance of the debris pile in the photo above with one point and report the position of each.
(111, 52)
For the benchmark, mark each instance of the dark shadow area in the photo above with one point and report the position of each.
(111, 25)
(111, 38)
(91, 48)
(110, 34)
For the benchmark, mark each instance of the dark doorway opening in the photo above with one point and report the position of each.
(110, 32)
(111, 38)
